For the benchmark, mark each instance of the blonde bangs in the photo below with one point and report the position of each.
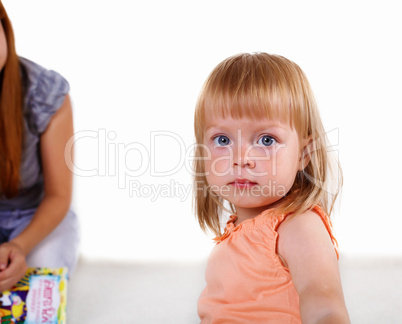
(249, 100)
(256, 86)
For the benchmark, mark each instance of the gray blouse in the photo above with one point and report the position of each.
(45, 93)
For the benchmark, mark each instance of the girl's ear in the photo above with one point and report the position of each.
(308, 146)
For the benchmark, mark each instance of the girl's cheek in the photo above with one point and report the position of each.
(220, 163)
(221, 167)
(208, 167)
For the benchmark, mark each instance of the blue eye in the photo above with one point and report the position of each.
(266, 140)
(221, 140)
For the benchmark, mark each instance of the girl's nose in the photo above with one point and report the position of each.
(243, 159)
(250, 163)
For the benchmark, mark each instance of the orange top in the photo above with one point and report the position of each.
(246, 281)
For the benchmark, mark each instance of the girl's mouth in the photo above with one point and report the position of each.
(242, 183)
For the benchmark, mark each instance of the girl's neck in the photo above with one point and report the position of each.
(244, 213)
(248, 213)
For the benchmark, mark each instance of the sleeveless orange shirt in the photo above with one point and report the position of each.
(246, 281)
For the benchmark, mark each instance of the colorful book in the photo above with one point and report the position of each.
(39, 297)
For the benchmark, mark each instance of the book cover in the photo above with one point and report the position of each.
(39, 297)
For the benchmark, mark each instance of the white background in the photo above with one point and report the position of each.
(136, 67)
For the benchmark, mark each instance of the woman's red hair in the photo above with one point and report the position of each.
(11, 115)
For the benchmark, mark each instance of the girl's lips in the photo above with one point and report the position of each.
(242, 183)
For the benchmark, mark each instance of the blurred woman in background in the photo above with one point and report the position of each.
(37, 226)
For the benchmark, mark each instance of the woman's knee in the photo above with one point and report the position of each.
(59, 248)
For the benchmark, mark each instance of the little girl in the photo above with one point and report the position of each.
(261, 150)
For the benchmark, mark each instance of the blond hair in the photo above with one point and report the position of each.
(261, 85)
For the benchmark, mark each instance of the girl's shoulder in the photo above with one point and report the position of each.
(309, 223)
(270, 225)
(272, 219)
(265, 223)
(45, 91)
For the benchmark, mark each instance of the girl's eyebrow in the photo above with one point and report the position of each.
(209, 127)
(217, 128)
(273, 126)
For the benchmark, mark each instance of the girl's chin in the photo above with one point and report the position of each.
(246, 202)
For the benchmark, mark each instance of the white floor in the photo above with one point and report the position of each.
(167, 293)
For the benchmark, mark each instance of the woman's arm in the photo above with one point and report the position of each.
(306, 248)
(55, 204)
